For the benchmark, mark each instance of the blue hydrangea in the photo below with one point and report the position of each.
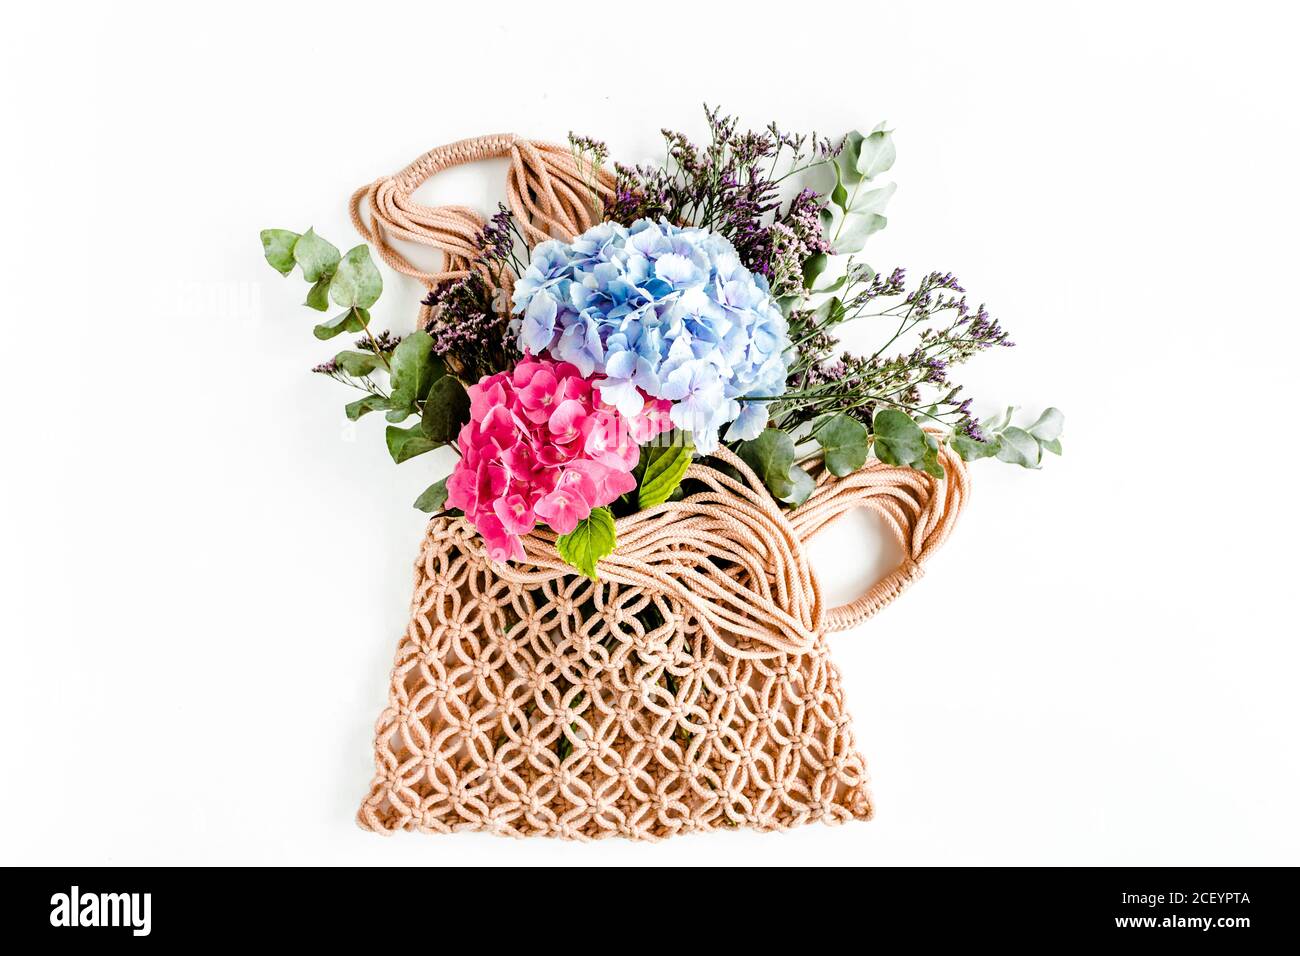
(664, 310)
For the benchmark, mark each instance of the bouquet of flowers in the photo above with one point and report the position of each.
(645, 351)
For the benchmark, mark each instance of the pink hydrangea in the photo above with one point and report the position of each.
(541, 446)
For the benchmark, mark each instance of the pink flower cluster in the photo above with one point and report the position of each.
(541, 446)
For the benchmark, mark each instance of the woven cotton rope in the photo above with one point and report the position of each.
(529, 700)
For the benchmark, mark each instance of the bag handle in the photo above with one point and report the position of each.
(918, 509)
(552, 193)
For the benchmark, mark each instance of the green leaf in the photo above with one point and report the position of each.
(972, 450)
(771, 456)
(433, 498)
(413, 367)
(1018, 447)
(663, 473)
(855, 230)
(591, 540)
(318, 296)
(876, 152)
(356, 283)
(929, 462)
(1049, 425)
(446, 409)
(358, 364)
(371, 403)
(277, 246)
(814, 266)
(845, 443)
(899, 440)
(353, 320)
(846, 163)
(405, 443)
(1054, 446)
(998, 422)
(317, 257)
(801, 484)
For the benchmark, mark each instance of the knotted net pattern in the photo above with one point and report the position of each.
(691, 689)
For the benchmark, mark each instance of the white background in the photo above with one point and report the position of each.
(206, 571)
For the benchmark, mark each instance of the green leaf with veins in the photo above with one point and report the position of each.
(876, 152)
(413, 366)
(356, 283)
(446, 409)
(317, 257)
(845, 443)
(318, 296)
(358, 364)
(771, 456)
(664, 469)
(593, 538)
(371, 403)
(277, 246)
(898, 439)
(433, 498)
(406, 443)
(353, 320)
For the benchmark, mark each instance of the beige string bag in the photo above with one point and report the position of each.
(691, 688)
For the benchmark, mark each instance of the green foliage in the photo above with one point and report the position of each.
(898, 439)
(771, 456)
(358, 364)
(413, 370)
(591, 540)
(661, 473)
(406, 443)
(356, 283)
(446, 409)
(433, 498)
(855, 213)
(1014, 445)
(317, 258)
(845, 443)
(371, 403)
(277, 246)
(353, 320)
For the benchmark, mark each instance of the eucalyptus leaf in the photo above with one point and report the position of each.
(593, 538)
(853, 232)
(1018, 447)
(1049, 425)
(371, 403)
(318, 296)
(898, 439)
(664, 469)
(1054, 446)
(802, 486)
(433, 498)
(846, 163)
(356, 283)
(771, 456)
(277, 246)
(845, 443)
(814, 266)
(317, 257)
(353, 320)
(874, 200)
(929, 462)
(446, 409)
(358, 364)
(406, 443)
(876, 152)
(413, 366)
(972, 450)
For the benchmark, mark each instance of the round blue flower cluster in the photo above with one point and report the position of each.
(664, 311)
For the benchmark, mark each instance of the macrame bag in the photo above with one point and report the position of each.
(691, 688)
